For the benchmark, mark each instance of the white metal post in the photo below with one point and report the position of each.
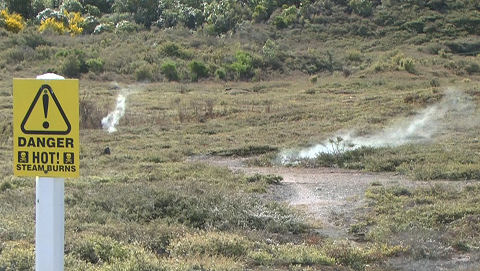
(50, 224)
(49, 218)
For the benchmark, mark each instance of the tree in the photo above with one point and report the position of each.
(22, 7)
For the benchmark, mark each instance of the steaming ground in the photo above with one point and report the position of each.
(455, 109)
(111, 120)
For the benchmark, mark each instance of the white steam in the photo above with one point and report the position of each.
(422, 127)
(111, 120)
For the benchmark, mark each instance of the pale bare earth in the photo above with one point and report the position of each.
(333, 198)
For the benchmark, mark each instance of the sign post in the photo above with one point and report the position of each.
(46, 145)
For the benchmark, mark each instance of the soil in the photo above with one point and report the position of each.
(334, 198)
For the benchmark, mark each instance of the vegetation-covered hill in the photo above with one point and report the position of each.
(242, 78)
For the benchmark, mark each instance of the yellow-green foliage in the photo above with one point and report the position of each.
(211, 244)
(402, 63)
(53, 25)
(59, 27)
(13, 22)
(357, 257)
(74, 20)
(17, 256)
(95, 252)
(288, 254)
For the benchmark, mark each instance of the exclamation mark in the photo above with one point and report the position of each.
(45, 108)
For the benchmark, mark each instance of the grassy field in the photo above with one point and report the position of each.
(145, 207)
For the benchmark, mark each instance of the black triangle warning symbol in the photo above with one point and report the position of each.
(43, 119)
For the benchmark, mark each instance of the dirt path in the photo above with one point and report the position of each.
(330, 197)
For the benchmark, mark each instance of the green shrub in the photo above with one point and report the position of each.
(95, 65)
(172, 49)
(144, 73)
(464, 47)
(169, 69)
(243, 67)
(197, 70)
(221, 74)
(6, 185)
(72, 6)
(402, 63)
(272, 56)
(14, 55)
(415, 26)
(89, 25)
(99, 249)
(260, 13)
(287, 17)
(30, 39)
(361, 7)
(354, 56)
(210, 244)
(71, 66)
(126, 27)
(92, 10)
(472, 68)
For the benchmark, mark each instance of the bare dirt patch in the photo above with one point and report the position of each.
(329, 197)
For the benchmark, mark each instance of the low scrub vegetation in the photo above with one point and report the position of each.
(441, 212)
(245, 80)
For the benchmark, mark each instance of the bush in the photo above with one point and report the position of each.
(95, 65)
(75, 21)
(172, 49)
(71, 67)
(243, 65)
(260, 13)
(363, 8)
(221, 74)
(21, 7)
(13, 22)
(92, 11)
(400, 62)
(74, 64)
(472, 68)
(271, 54)
(52, 25)
(144, 73)
(210, 244)
(71, 6)
(169, 69)
(126, 26)
(470, 48)
(99, 249)
(198, 70)
(101, 28)
(288, 16)
(354, 56)
(89, 24)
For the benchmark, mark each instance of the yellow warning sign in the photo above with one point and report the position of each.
(46, 128)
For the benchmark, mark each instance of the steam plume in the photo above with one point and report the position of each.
(422, 127)
(111, 120)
